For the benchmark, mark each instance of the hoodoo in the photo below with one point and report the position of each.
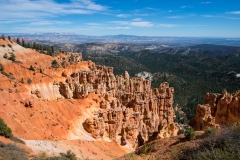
(63, 97)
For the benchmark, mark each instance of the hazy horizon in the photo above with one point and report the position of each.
(207, 19)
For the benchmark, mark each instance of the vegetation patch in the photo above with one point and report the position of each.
(4, 129)
(218, 144)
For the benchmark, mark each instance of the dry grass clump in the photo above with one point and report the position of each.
(218, 144)
(69, 155)
(12, 151)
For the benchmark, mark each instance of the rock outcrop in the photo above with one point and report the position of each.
(218, 109)
(77, 100)
(129, 107)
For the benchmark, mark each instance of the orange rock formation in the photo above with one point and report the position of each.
(78, 100)
(218, 109)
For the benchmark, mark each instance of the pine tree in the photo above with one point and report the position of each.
(34, 45)
(9, 38)
(3, 37)
(23, 43)
(52, 49)
(28, 45)
(18, 41)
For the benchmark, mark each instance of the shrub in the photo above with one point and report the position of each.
(190, 134)
(16, 139)
(29, 81)
(69, 155)
(146, 148)
(31, 68)
(9, 45)
(1, 67)
(64, 64)
(219, 144)
(5, 55)
(3, 37)
(210, 131)
(41, 71)
(12, 57)
(11, 151)
(4, 129)
(55, 64)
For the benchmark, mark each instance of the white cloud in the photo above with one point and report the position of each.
(120, 22)
(38, 23)
(176, 17)
(180, 17)
(206, 2)
(115, 28)
(93, 24)
(216, 16)
(141, 24)
(180, 25)
(183, 7)
(234, 12)
(137, 19)
(168, 25)
(123, 15)
(208, 16)
(135, 23)
(22, 9)
(186, 7)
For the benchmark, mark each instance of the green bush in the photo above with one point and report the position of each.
(69, 155)
(55, 64)
(190, 134)
(146, 148)
(4, 129)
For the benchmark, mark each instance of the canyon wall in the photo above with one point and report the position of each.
(129, 108)
(63, 97)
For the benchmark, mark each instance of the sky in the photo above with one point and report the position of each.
(182, 18)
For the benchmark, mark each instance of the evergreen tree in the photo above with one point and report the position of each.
(18, 41)
(4, 129)
(23, 43)
(9, 38)
(34, 45)
(3, 37)
(28, 45)
(52, 49)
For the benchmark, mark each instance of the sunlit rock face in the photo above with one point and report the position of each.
(218, 109)
(76, 99)
(129, 109)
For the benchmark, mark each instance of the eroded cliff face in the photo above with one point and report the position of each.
(80, 100)
(130, 111)
(218, 109)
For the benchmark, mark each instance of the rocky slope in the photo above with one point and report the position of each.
(218, 109)
(65, 103)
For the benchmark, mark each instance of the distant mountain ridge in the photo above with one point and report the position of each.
(179, 41)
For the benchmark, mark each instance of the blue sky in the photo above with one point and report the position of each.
(188, 18)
